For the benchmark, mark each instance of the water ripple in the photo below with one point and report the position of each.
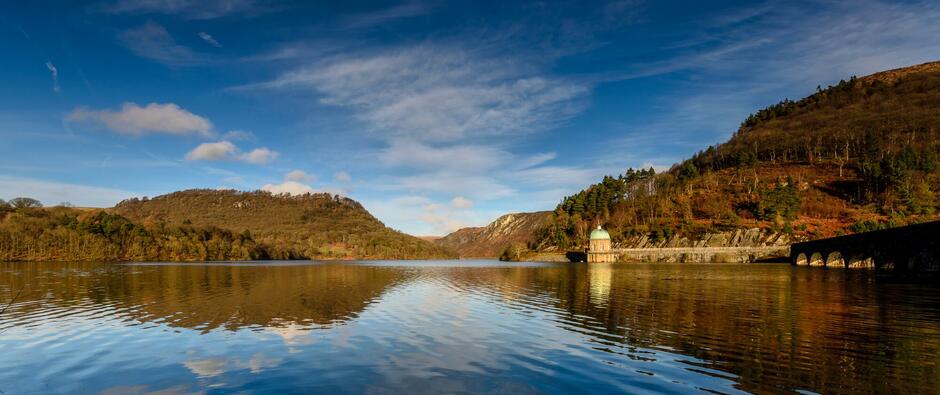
(451, 327)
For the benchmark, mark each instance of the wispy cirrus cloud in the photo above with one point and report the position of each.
(55, 76)
(135, 120)
(398, 11)
(189, 9)
(439, 93)
(154, 42)
(209, 39)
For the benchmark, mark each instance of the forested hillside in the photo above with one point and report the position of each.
(68, 234)
(205, 225)
(289, 227)
(857, 156)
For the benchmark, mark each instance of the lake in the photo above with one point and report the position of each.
(462, 327)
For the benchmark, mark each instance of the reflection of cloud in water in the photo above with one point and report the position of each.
(212, 367)
(291, 333)
(206, 367)
(259, 362)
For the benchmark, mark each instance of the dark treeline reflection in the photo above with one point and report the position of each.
(770, 328)
(204, 297)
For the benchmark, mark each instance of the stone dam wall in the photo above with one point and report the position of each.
(700, 254)
(744, 245)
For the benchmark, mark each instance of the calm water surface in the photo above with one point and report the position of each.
(458, 327)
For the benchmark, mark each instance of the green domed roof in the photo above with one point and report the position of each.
(600, 234)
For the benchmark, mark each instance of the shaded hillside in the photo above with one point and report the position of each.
(289, 227)
(856, 156)
(491, 240)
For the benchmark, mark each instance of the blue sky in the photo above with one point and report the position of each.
(434, 115)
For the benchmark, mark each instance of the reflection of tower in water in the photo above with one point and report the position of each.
(600, 275)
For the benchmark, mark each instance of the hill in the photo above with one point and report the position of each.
(491, 240)
(197, 225)
(290, 227)
(856, 156)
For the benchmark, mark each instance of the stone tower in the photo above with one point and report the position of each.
(599, 247)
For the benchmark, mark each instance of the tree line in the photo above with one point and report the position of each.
(34, 233)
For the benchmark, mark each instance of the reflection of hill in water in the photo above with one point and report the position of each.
(204, 297)
(829, 331)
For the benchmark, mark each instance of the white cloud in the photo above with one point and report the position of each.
(259, 156)
(191, 9)
(225, 150)
(342, 176)
(296, 182)
(154, 42)
(461, 202)
(209, 39)
(135, 120)
(298, 176)
(52, 192)
(288, 187)
(213, 151)
(55, 76)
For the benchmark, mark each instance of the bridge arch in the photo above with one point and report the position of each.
(816, 260)
(801, 260)
(835, 259)
(861, 262)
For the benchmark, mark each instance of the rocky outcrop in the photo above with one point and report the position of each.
(490, 240)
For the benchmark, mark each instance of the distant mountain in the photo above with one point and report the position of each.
(288, 227)
(856, 156)
(491, 240)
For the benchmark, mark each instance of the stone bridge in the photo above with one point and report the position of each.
(908, 249)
